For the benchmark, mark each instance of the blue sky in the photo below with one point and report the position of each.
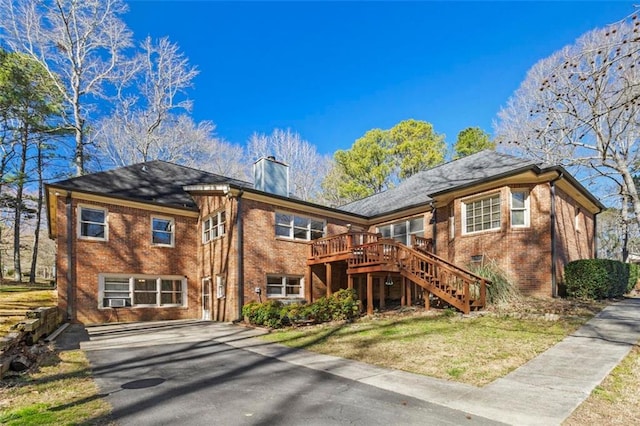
(333, 70)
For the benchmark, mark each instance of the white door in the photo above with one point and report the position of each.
(206, 299)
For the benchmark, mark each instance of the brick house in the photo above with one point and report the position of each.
(160, 241)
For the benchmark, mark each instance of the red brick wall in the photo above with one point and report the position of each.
(218, 256)
(127, 251)
(265, 254)
(574, 232)
(523, 253)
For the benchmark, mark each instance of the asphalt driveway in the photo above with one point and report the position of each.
(198, 373)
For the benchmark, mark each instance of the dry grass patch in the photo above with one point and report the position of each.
(615, 400)
(60, 392)
(474, 349)
(15, 301)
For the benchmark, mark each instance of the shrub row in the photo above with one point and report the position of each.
(599, 278)
(342, 305)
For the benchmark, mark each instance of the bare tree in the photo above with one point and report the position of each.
(580, 108)
(79, 42)
(307, 167)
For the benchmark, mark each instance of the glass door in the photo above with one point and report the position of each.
(206, 299)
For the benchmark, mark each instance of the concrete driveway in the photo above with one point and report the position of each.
(205, 373)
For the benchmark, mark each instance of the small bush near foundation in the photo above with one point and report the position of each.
(342, 305)
(503, 289)
(599, 278)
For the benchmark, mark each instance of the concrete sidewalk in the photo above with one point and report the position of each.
(545, 391)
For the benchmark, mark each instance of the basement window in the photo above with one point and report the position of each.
(284, 286)
(121, 290)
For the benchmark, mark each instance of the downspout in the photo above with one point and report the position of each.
(554, 280)
(433, 226)
(240, 254)
(70, 263)
(595, 235)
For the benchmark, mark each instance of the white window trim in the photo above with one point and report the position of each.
(220, 293)
(452, 223)
(132, 277)
(406, 223)
(173, 231)
(526, 209)
(220, 224)
(463, 207)
(284, 278)
(80, 207)
(292, 227)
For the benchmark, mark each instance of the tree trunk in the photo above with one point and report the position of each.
(36, 236)
(18, 207)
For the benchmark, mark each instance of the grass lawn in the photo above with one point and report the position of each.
(61, 392)
(474, 349)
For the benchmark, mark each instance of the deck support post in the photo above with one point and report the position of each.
(329, 279)
(308, 285)
(369, 294)
(350, 281)
(408, 290)
(427, 300)
(381, 294)
(403, 284)
(360, 292)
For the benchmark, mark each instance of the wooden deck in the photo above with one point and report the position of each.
(366, 254)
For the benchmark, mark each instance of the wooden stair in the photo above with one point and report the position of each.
(456, 286)
(366, 252)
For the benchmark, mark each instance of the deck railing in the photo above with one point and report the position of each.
(421, 243)
(340, 244)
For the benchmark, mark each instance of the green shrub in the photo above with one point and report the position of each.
(342, 305)
(599, 278)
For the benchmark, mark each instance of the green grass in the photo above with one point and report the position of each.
(474, 350)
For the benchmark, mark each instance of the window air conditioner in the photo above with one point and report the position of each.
(117, 303)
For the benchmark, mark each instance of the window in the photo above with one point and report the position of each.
(403, 230)
(452, 223)
(481, 215)
(219, 286)
(213, 227)
(299, 227)
(93, 223)
(284, 286)
(142, 290)
(519, 209)
(162, 231)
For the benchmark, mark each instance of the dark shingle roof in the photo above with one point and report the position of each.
(153, 181)
(421, 187)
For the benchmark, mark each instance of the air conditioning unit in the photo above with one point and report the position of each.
(117, 303)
